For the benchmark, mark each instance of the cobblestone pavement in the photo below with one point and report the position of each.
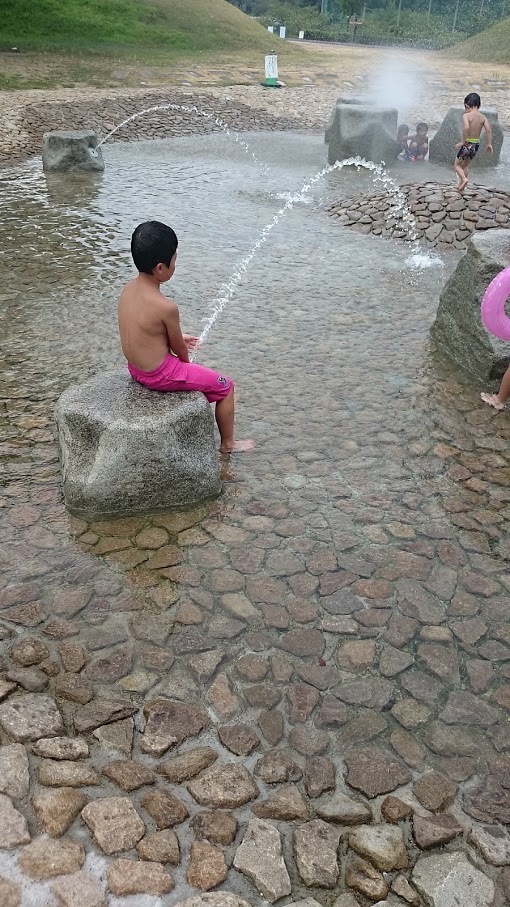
(300, 691)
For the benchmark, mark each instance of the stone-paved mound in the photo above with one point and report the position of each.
(444, 218)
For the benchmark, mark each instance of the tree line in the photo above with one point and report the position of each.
(425, 23)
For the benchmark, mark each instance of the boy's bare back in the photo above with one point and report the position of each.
(143, 315)
(474, 121)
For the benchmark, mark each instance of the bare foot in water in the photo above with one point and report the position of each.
(237, 447)
(492, 400)
(462, 185)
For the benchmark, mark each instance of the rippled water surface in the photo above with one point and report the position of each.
(376, 471)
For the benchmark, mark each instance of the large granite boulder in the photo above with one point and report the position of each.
(125, 449)
(361, 129)
(442, 146)
(71, 150)
(458, 328)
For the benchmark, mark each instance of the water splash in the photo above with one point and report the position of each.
(197, 111)
(423, 260)
(400, 210)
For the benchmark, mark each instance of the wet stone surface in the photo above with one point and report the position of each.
(302, 689)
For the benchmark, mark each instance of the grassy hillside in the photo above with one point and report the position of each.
(489, 46)
(163, 25)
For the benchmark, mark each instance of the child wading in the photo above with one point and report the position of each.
(152, 342)
(472, 124)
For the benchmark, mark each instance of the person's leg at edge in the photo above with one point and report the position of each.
(224, 414)
(499, 400)
(461, 168)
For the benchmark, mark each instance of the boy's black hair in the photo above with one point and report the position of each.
(422, 126)
(402, 127)
(473, 100)
(152, 243)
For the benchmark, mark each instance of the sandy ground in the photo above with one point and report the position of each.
(313, 65)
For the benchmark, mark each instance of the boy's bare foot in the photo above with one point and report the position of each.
(492, 400)
(462, 185)
(237, 447)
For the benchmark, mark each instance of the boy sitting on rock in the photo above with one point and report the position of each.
(152, 342)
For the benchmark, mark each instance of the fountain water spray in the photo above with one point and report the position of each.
(191, 110)
(400, 209)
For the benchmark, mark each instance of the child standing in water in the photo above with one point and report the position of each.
(472, 124)
(152, 342)
(402, 139)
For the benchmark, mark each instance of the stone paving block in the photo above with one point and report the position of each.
(316, 853)
(224, 786)
(46, 858)
(13, 825)
(445, 880)
(81, 889)
(14, 771)
(114, 823)
(30, 716)
(259, 857)
(129, 877)
(57, 809)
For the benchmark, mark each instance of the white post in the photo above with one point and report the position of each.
(271, 71)
(283, 31)
(301, 35)
(270, 28)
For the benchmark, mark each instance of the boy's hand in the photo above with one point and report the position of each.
(490, 149)
(191, 342)
(458, 145)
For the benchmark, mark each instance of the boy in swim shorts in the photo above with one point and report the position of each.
(152, 341)
(472, 124)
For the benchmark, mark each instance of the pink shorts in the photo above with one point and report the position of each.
(173, 375)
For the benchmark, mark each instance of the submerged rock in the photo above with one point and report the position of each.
(71, 149)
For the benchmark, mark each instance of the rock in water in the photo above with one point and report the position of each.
(71, 150)
(125, 449)
(356, 128)
(450, 132)
(458, 328)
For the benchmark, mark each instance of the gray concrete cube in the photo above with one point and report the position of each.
(68, 150)
(362, 129)
(125, 449)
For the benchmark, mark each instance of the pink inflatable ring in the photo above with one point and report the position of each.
(493, 311)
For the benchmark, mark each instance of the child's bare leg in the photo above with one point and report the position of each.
(224, 414)
(499, 400)
(461, 168)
